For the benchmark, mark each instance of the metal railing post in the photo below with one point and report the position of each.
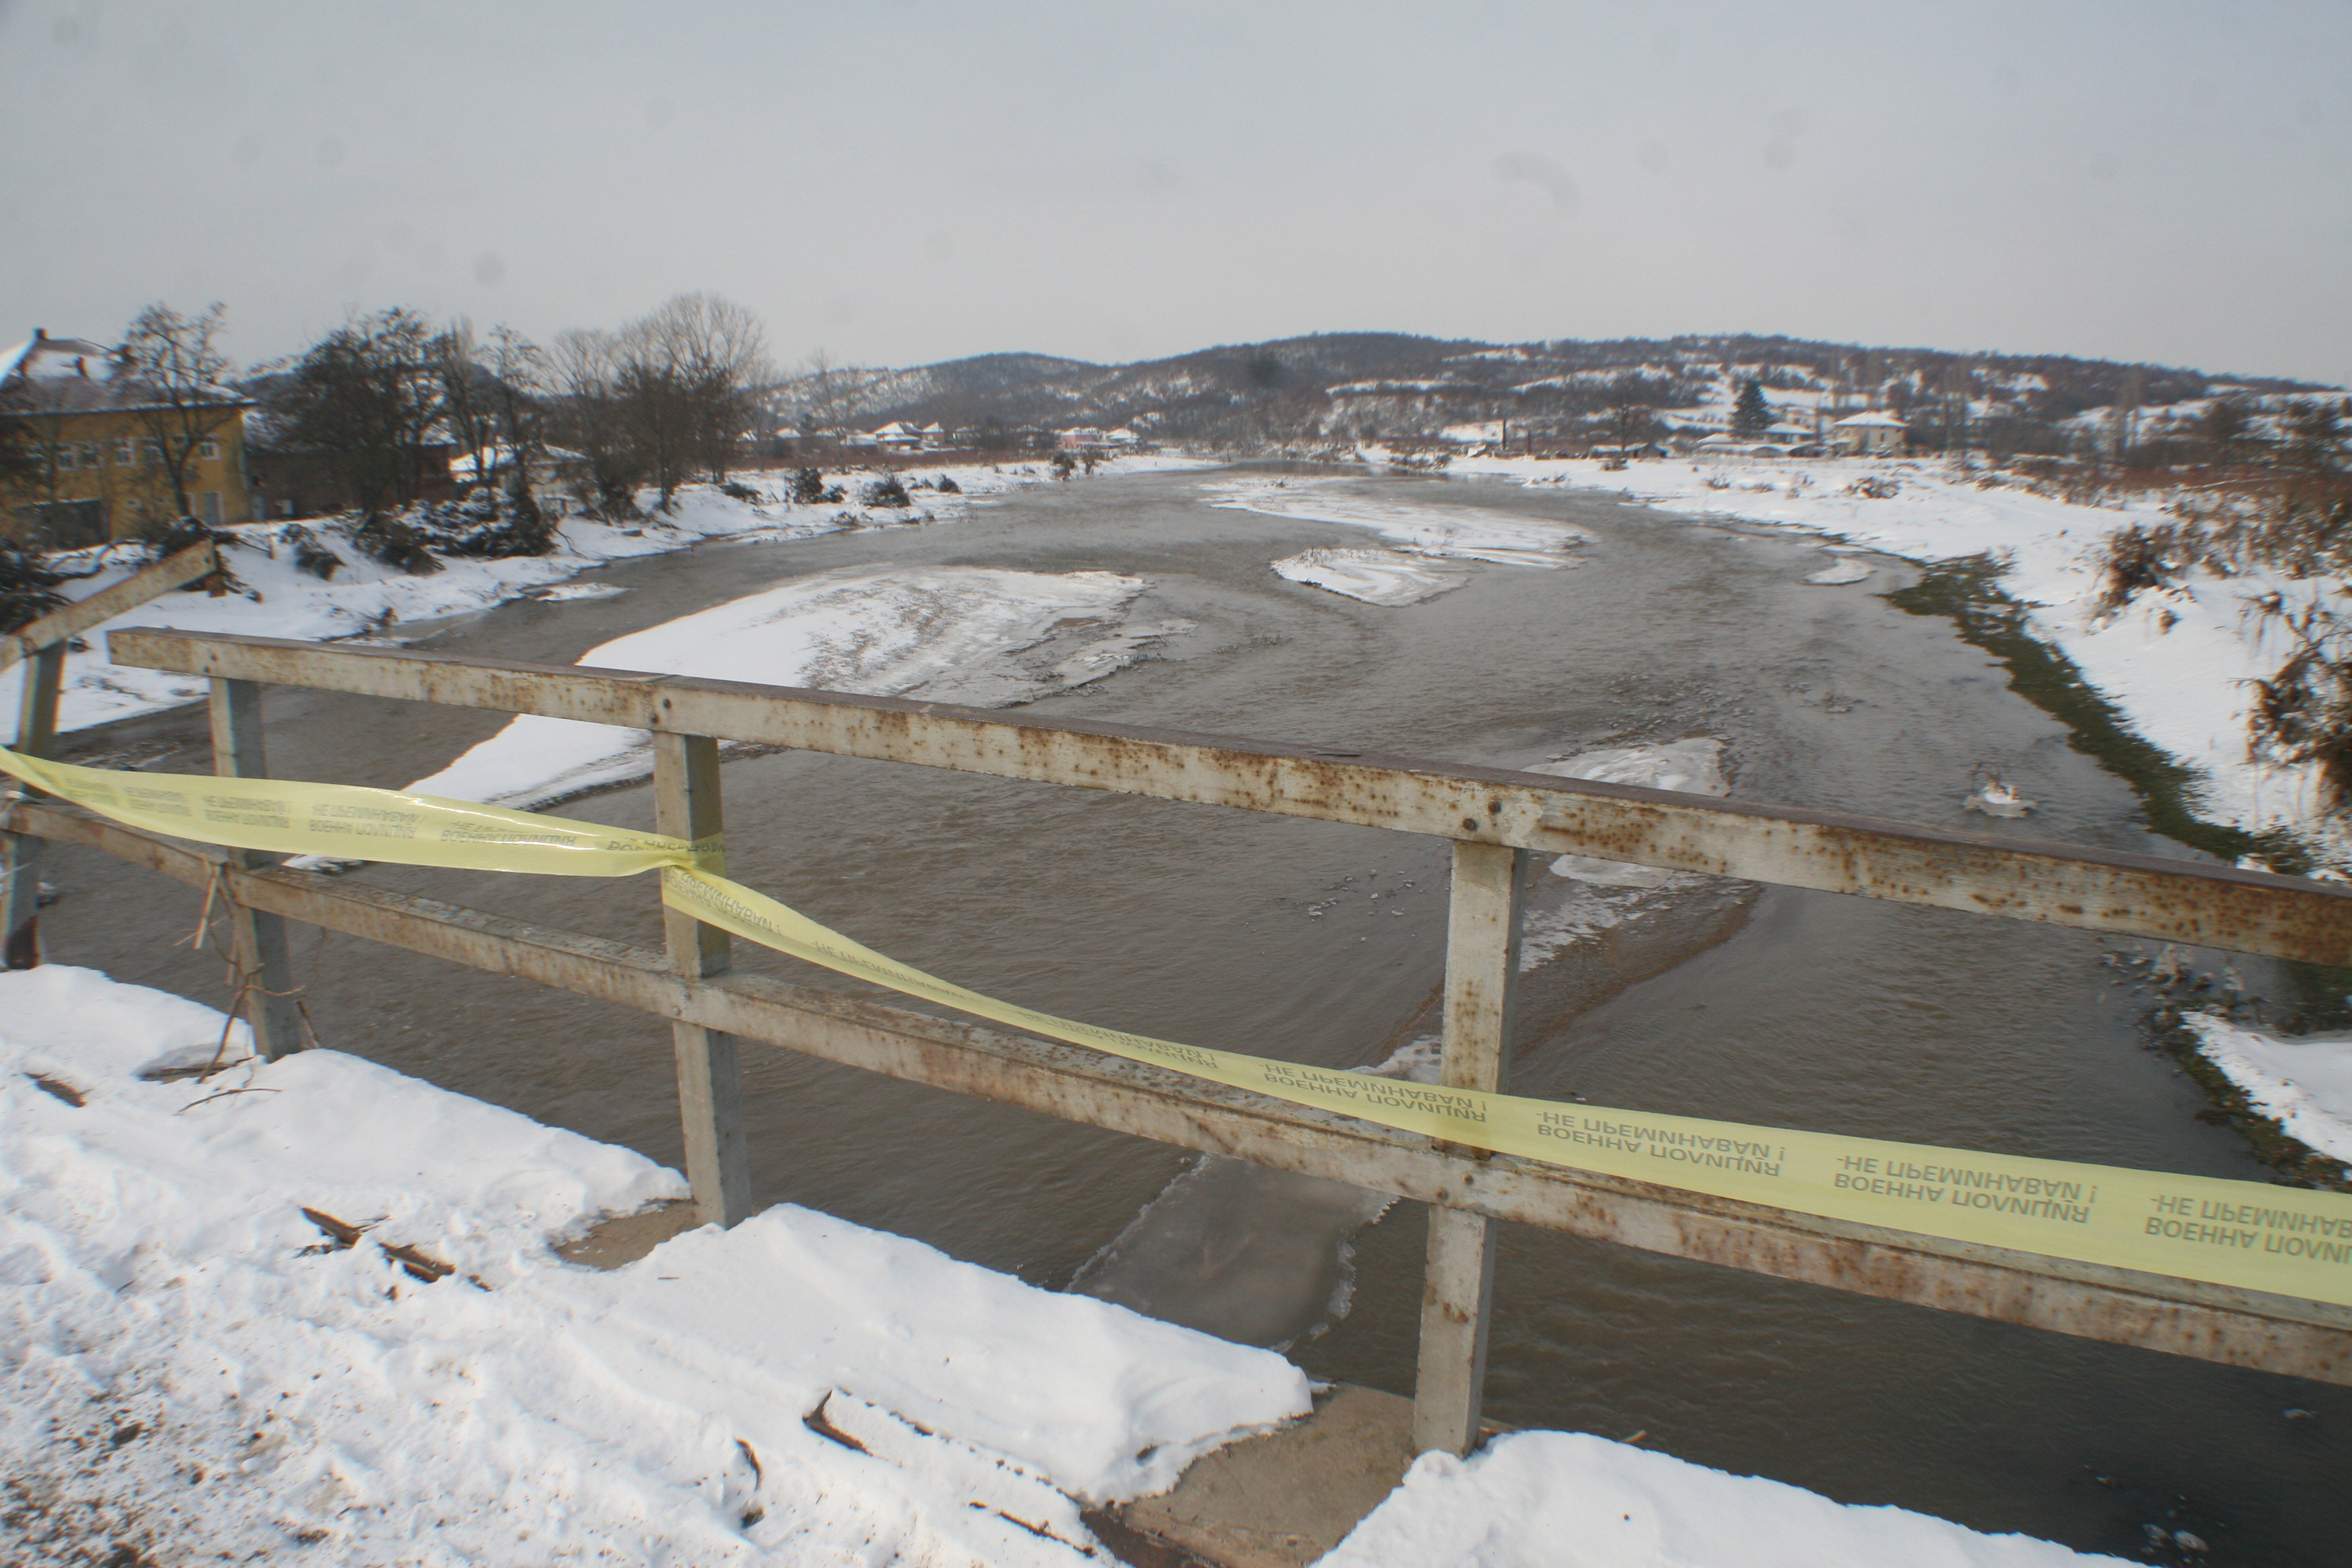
(1482, 975)
(20, 853)
(710, 1064)
(268, 971)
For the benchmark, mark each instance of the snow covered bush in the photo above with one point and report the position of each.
(2303, 713)
(312, 554)
(388, 538)
(2135, 559)
(886, 491)
(809, 488)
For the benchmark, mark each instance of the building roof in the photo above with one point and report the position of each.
(44, 357)
(1870, 421)
(73, 375)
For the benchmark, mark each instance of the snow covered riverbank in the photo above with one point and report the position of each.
(2176, 661)
(193, 1367)
(368, 598)
(2304, 1082)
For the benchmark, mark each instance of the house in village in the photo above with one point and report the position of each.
(1085, 438)
(94, 441)
(1868, 436)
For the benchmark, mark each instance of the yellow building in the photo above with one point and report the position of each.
(97, 441)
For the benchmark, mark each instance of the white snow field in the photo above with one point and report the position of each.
(950, 634)
(1390, 577)
(366, 599)
(1567, 1500)
(2176, 662)
(2302, 1081)
(192, 1368)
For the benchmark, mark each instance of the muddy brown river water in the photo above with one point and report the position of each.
(1772, 1006)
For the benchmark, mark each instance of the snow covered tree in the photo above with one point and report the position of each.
(1751, 416)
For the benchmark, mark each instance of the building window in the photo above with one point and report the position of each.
(209, 451)
(64, 461)
(93, 454)
(122, 453)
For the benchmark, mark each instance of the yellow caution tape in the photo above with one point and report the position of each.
(2287, 1240)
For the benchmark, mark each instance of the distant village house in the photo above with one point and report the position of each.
(1868, 436)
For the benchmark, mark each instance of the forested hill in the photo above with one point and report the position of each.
(1363, 384)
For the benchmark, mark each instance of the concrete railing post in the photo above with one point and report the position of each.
(1481, 973)
(710, 1064)
(261, 938)
(20, 853)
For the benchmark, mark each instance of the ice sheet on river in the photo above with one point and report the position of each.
(1463, 532)
(1608, 892)
(1375, 577)
(981, 637)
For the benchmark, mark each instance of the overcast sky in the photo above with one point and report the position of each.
(900, 182)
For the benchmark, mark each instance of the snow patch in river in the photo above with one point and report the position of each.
(1609, 892)
(1846, 569)
(1462, 533)
(981, 637)
(1375, 577)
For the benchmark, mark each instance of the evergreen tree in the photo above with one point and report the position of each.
(1752, 415)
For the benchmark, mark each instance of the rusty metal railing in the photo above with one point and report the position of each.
(1494, 817)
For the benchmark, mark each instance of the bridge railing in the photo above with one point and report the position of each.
(1495, 820)
(41, 647)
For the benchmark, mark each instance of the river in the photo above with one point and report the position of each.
(1264, 934)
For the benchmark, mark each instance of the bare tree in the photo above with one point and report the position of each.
(1632, 397)
(2227, 429)
(2314, 433)
(689, 374)
(466, 407)
(519, 381)
(587, 416)
(361, 403)
(175, 375)
(824, 400)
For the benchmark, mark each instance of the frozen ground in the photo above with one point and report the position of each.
(366, 599)
(2176, 661)
(2302, 1081)
(192, 1369)
(949, 634)
(1563, 1499)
